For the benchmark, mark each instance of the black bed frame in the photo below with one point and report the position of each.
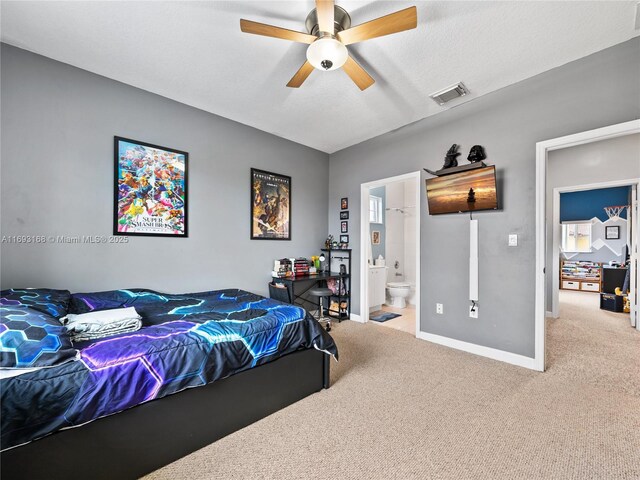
(144, 438)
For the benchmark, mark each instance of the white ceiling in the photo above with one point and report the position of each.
(194, 52)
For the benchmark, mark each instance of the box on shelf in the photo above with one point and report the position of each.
(338, 311)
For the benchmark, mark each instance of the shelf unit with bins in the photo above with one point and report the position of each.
(344, 282)
(581, 275)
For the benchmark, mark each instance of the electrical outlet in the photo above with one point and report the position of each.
(513, 239)
(439, 308)
(473, 311)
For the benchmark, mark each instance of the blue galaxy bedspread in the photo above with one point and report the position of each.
(186, 341)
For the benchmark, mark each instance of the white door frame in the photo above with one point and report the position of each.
(542, 149)
(634, 241)
(364, 238)
(556, 234)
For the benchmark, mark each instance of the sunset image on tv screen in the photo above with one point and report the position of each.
(463, 192)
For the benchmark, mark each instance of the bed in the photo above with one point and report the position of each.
(131, 395)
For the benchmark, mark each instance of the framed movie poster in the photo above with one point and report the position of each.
(270, 206)
(150, 190)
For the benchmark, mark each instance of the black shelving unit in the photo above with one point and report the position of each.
(344, 280)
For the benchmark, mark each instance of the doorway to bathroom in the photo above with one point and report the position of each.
(390, 252)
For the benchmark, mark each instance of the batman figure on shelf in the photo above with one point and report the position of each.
(450, 160)
(476, 154)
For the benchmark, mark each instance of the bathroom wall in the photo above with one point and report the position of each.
(380, 249)
(394, 227)
(410, 263)
(401, 234)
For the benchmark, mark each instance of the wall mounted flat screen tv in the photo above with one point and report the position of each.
(469, 191)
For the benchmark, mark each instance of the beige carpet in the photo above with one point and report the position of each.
(402, 408)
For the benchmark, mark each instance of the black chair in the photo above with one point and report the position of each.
(322, 293)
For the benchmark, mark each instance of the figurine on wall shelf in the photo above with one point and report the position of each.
(476, 157)
(476, 154)
(328, 242)
(450, 160)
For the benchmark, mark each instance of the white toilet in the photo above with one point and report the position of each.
(398, 291)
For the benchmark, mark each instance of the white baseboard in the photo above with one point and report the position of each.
(355, 318)
(548, 314)
(501, 355)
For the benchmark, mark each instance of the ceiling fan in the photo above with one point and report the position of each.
(330, 32)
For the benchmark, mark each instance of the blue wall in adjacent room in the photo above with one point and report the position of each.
(590, 203)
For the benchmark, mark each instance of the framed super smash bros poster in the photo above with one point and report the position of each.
(270, 206)
(150, 190)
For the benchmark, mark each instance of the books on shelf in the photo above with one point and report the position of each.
(282, 268)
(300, 266)
(581, 269)
(287, 267)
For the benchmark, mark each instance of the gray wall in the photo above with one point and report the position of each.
(598, 235)
(592, 92)
(381, 227)
(604, 161)
(58, 124)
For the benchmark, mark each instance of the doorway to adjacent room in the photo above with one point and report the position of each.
(593, 237)
(587, 233)
(390, 252)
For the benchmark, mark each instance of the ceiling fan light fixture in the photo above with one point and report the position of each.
(327, 53)
(329, 33)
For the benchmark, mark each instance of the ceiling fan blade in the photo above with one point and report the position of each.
(324, 9)
(358, 74)
(301, 75)
(256, 28)
(393, 23)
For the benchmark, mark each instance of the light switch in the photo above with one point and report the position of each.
(513, 239)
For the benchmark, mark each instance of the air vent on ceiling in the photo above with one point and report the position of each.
(447, 94)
